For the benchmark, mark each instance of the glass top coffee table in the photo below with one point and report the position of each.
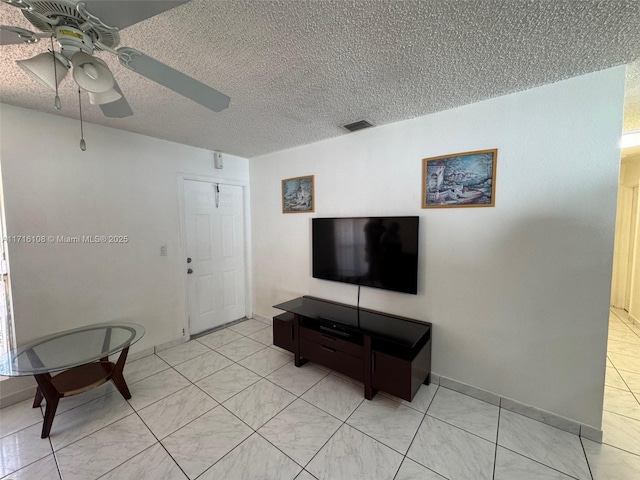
(80, 359)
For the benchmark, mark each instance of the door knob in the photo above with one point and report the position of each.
(189, 271)
(189, 260)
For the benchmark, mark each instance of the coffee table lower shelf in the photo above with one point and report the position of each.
(78, 380)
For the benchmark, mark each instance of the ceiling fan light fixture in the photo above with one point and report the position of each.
(103, 98)
(41, 69)
(91, 73)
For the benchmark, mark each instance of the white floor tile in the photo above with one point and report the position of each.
(43, 469)
(387, 421)
(616, 324)
(256, 459)
(19, 416)
(304, 475)
(451, 451)
(621, 432)
(203, 365)
(628, 363)
(143, 368)
(350, 454)
(624, 336)
(169, 414)
(88, 418)
(225, 383)
(260, 402)
(410, 470)
(468, 413)
(183, 352)
(22, 448)
(510, 466)
(613, 379)
(543, 443)
(297, 380)
(610, 463)
(422, 399)
(152, 464)
(219, 338)
(300, 430)
(632, 380)
(621, 402)
(200, 444)
(156, 387)
(239, 349)
(624, 348)
(263, 336)
(265, 361)
(206, 440)
(105, 449)
(336, 396)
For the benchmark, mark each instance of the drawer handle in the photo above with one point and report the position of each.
(327, 349)
(328, 337)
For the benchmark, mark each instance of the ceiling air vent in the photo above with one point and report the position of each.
(359, 125)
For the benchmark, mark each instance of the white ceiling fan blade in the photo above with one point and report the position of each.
(14, 35)
(173, 79)
(118, 109)
(123, 13)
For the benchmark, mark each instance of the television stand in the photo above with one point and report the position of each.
(385, 352)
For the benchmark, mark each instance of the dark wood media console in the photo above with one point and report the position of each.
(385, 352)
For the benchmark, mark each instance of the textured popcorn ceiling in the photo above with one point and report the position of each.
(296, 70)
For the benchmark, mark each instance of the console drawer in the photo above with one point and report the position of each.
(332, 358)
(332, 342)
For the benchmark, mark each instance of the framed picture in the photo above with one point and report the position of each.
(297, 195)
(460, 180)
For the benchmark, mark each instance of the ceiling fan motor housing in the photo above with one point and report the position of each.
(73, 40)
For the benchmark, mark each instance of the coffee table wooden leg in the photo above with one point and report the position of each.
(38, 398)
(118, 378)
(52, 396)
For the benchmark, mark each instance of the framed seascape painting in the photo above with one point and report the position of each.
(460, 180)
(298, 195)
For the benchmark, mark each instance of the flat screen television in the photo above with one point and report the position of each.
(380, 252)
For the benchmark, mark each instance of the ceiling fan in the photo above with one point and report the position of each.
(82, 27)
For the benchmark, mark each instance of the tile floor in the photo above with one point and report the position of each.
(230, 405)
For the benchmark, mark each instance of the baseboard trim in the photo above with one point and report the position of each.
(262, 319)
(172, 343)
(552, 419)
(141, 354)
(591, 433)
(23, 388)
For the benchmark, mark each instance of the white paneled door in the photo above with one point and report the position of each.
(214, 227)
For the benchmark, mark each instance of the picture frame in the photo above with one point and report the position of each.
(298, 195)
(466, 179)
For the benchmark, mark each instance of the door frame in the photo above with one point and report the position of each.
(182, 248)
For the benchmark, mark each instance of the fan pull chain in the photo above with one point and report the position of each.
(56, 102)
(83, 145)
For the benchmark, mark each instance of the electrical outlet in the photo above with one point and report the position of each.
(163, 251)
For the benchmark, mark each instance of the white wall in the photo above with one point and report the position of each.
(124, 184)
(518, 294)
